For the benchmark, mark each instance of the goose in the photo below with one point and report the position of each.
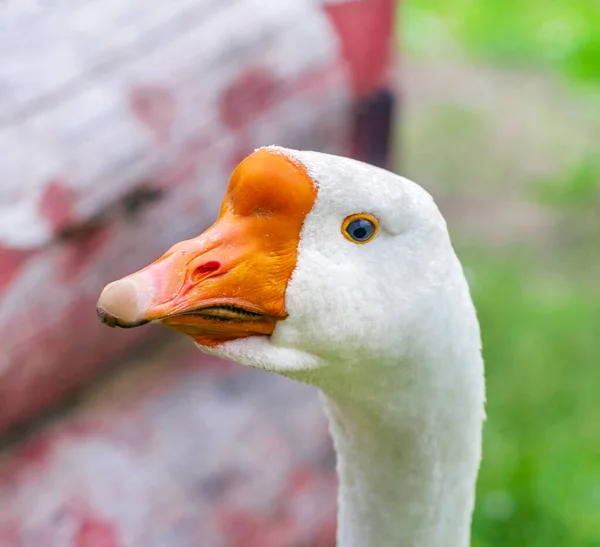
(341, 275)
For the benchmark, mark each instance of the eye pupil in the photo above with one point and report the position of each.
(360, 229)
(360, 233)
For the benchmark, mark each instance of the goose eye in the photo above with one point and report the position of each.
(360, 228)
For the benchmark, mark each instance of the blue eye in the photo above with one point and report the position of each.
(360, 228)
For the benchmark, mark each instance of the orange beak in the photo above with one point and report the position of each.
(230, 281)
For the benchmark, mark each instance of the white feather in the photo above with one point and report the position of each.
(388, 332)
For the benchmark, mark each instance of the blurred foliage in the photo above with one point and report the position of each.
(556, 34)
(538, 301)
(540, 480)
(579, 187)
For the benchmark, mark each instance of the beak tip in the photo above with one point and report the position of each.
(105, 317)
(118, 304)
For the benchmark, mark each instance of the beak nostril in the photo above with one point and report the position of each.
(205, 269)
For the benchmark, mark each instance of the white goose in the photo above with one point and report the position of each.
(341, 275)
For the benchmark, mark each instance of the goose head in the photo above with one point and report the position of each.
(341, 275)
(314, 259)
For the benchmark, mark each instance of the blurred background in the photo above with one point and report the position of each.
(120, 122)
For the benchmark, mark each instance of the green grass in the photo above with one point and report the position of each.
(540, 479)
(579, 187)
(561, 35)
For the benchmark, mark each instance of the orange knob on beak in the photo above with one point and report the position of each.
(230, 281)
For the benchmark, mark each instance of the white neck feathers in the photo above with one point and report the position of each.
(407, 430)
(407, 465)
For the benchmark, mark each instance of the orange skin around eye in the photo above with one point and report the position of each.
(230, 281)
